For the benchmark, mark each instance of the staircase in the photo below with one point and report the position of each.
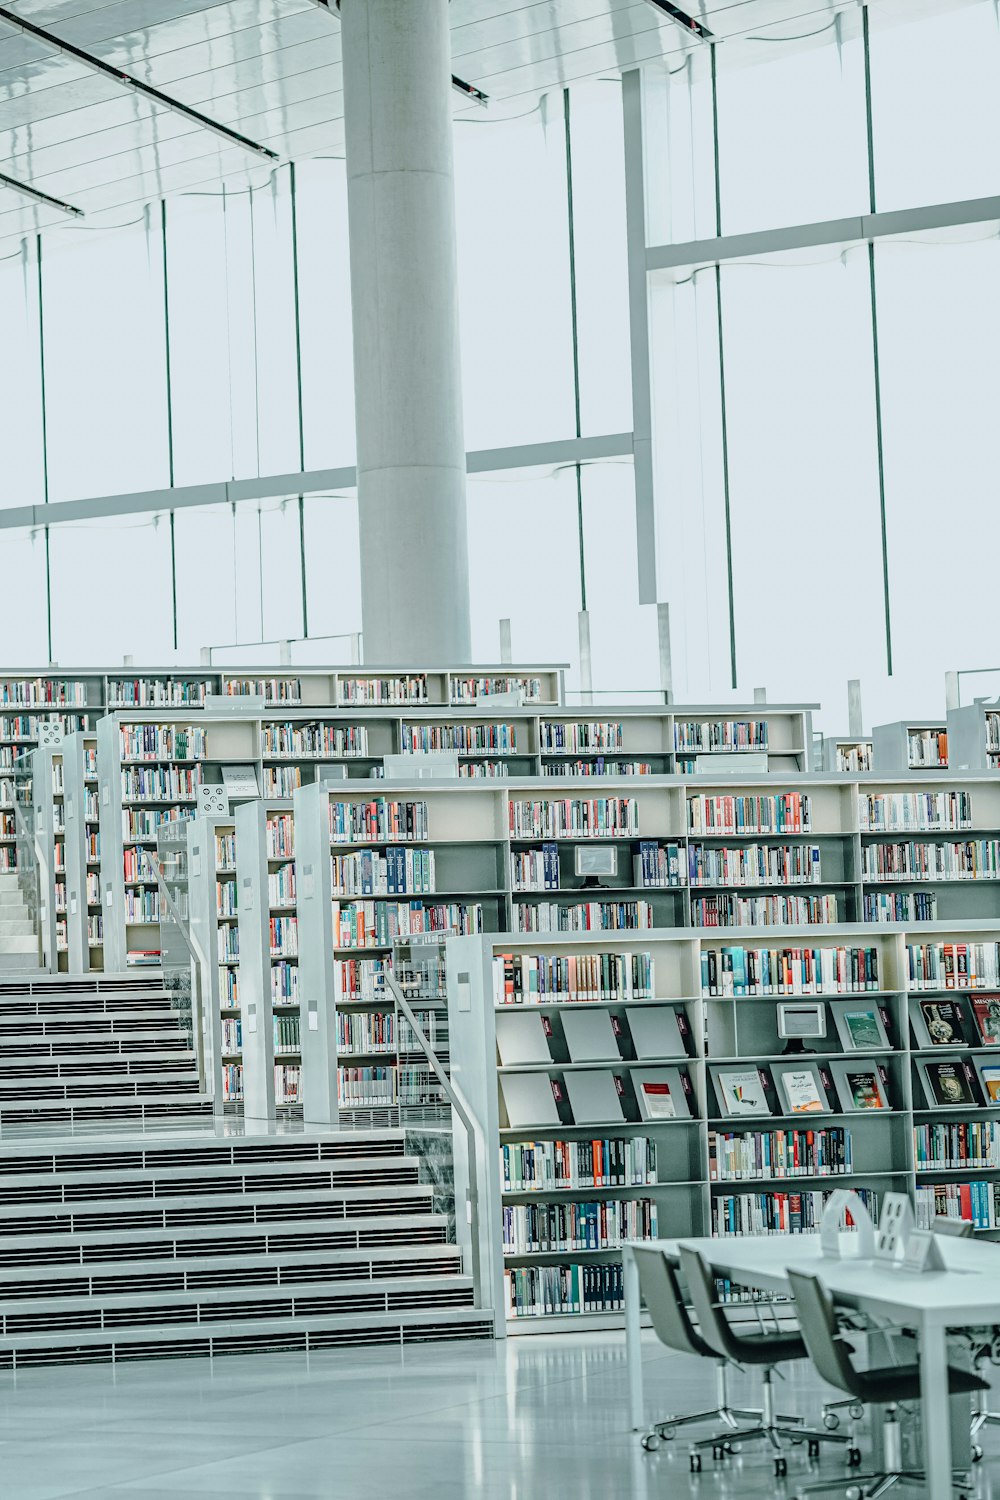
(18, 938)
(156, 1233)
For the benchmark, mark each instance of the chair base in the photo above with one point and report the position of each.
(774, 1429)
(981, 1419)
(729, 1416)
(873, 1486)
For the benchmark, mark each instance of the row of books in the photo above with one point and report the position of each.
(826, 1152)
(377, 821)
(964, 1143)
(479, 770)
(279, 834)
(970, 859)
(360, 979)
(789, 971)
(42, 691)
(376, 924)
(927, 747)
(750, 813)
(574, 817)
(729, 910)
(92, 846)
(558, 737)
(280, 885)
(287, 1083)
(468, 689)
(162, 784)
(95, 931)
(776, 1213)
(93, 888)
(271, 689)
(542, 1291)
(284, 983)
(24, 729)
(535, 869)
(597, 767)
(588, 916)
(904, 812)
(142, 906)
(137, 865)
(228, 943)
(160, 742)
(754, 864)
(142, 825)
(316, 741)
(945, 1023)
(366, 1088)
(546, 1166)
(281, 781)
(154, 692)
(382, 690)
(366, 1031)
(720, 734)
(899, 906)
(854, 758)
(284, 937)
(545, 978)
(935, 966)
(229, 989)
(658, 866)
(397, 872)
(544, 1228)
(469, 739)
(286, 1033)
(978, 1202)
(225, 894)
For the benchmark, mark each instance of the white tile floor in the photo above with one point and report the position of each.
(531, 1419)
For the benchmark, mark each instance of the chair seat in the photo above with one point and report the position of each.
(902, 1383)
(770, 1348)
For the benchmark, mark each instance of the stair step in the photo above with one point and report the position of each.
(13, 1005)
(202, 1148)
(169, 1182)
(168, 1274)
(307, 1334)
(119, 1023)
(79, 1044)
(416, 1224)
(105, 1110)
(20, 962)
(219, 1208)
(18, 941)
(90, 1086)
(101, 1064)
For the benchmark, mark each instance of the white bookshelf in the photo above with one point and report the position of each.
(974, 736)
(851, 754)
(694, 1186)
(910, 745)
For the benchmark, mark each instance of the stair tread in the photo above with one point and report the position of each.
(224, 1136)
(40, 1102)
(178, 1172)
(361, 1194)
(276, 1259)
(256, 1328)
(84, 1238)
(221, 1295)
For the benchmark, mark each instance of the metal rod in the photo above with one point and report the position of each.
(40, 197)
(875, 361)
(722, 380)
(574, 324)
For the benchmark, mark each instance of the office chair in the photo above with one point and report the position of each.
(673, 1327)
(886, 1386)
(765, 1350)
(981, 1351)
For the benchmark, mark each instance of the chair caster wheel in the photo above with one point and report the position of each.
(854, 1458)
(976, 1454)
(695, 1463)
(854, 1493)
(814, 1447)
(797, 1442)
(650, 1442)
(831, 1421)
(855, 1411)
(780, 1468)
(666, 1432)
(732, 1448)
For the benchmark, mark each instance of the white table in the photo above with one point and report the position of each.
(965, 1295)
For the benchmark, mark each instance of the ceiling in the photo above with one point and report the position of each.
(270, 69)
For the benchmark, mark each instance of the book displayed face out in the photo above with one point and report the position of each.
(800, 1089)
(661, 1093)
(860, 1085)
(939, 1023)
(986, 1011)
(741, 1091)
(860, 1025)
(948, 1084)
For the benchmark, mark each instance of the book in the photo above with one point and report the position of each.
(529, 1099)
(662, 1093)
(800, 1089)
(657, 1031)
(523, 1038)
(986, 1011)
(859, 1086)
(741, 1091)
(589, 1035)
(594, 1096)
(860, 1027)
(948, 1084)
(990, 1075)
(941, 1023)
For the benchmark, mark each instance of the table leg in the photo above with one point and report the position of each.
(633, 1338)
(935, 1411)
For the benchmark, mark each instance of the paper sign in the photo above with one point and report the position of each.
(923, 1252)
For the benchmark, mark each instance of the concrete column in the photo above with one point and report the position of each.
(407, 365)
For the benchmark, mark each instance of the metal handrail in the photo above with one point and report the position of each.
(200, 963)
(454, 1099)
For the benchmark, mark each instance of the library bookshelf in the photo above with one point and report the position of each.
(974, 736)
(910, 745)
(711, 1126)
(847, 753)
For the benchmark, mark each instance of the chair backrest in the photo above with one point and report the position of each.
(818, 1325)
(661, 1290)
(960, 1229)
(713, 1325)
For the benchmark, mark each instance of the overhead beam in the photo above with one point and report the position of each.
(125, 80)
(39, 196)
(306, 482)
(859, 229)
